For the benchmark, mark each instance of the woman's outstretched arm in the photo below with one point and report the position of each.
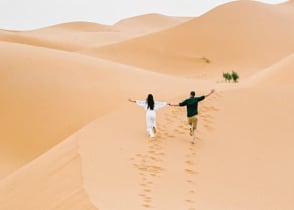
(170, 104)
(131, 100)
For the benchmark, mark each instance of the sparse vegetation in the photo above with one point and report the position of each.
(206, 59)
(235, 76)
(227, 76)
(231, 76)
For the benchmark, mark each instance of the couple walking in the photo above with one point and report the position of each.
(151, 106)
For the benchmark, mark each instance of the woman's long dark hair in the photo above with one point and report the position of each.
(150, 101)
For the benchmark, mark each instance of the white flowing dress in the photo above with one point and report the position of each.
(151, 114)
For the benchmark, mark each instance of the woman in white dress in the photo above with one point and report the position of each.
(150, 106)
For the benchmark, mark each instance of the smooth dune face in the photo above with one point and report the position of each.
(49, 94)
(244, 161)
(280, 73)
(148, 23)
(68, 36)
(70, 140)
(52, 181)
(42, 91)
(243, 35)
(79, 36)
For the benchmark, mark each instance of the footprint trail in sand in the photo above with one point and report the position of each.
(150, 165)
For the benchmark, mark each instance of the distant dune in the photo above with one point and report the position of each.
(242, 36)
(76, 36)
(149, 23)
(71, 140)
(280, 73)
(78, 26)
(290, 2)
(67, 36)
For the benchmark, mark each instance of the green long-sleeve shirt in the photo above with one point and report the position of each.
(192, 105)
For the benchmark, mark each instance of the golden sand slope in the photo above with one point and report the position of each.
(68, 36)
(52, 181)
(45, 101)
(70, 140)
(245, 161)
(242, 163)
(47, 94)
(242, 36)
(280, 73)
(76, 36)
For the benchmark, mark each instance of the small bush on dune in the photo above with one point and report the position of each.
(233, 76)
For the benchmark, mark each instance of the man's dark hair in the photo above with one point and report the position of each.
(192, 93)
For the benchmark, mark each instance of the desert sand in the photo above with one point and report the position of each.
(71, 140)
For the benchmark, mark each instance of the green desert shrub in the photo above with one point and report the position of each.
(226, 76)
(235, 76)
(231, 76)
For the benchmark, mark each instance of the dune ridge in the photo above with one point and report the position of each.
(280, 73)
(149, 23)
(71, 140)
(66, 36)
(54, 181)
(60, 99)
(242, 42)
(77, 36)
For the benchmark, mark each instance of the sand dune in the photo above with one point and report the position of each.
(46, 102)
(42, 92)
(290, 2)
(68, 36)
(78, 26)
(52, 181)
(70, 140)
(251, 37)
(237, 162)
(47, 94)
(148, 23)
(244, 161)
(77, 36)
(280, 73)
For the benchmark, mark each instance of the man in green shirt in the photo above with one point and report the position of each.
(192, 110)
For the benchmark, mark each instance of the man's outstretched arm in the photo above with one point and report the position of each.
(211, 92)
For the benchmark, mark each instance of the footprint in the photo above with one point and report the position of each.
(171, 136)
(189, 181)
(151, 152)
(144, 185)
(161, 154)
(191, 191)
(154, 158)
(208, 127)
(190, 162)
(147, 201)
(147, 190)
(190, 171)
(147, 206)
